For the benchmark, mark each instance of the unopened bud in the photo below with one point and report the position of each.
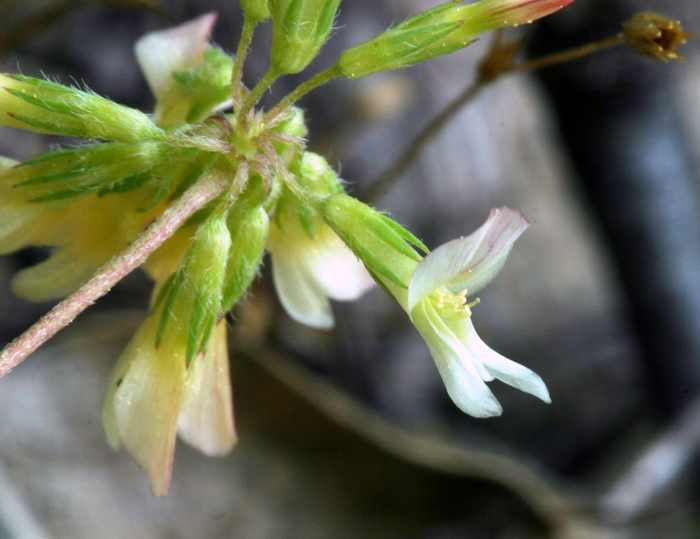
(258, 10)
(653, 35)
(441, 30)
(317, 176)
(300, 28)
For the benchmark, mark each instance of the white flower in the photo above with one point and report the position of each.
(436, 302)
(308, 271)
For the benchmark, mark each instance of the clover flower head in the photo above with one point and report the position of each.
(197, 196)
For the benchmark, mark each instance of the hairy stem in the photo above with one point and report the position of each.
(256, 93)
(120, 266)
(237, 90)
(273, 116)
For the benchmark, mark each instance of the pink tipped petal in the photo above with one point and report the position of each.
(504, 369)
(456, 366)
(147, 403)
(162, 53)
(523, 11)
(468, 263)
(206, 417)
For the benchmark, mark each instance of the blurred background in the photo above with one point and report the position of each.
(350, 433)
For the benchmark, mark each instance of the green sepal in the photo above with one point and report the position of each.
(404, 233)
(196, 168)
(169, 299)
(367, 233)
(201, 323)
(205, 269)
(47, 126)
(207, 85)
(51, 106)
(192, 297)
(127, 184)
(379, 282)
(307, 217)
(163, 292)
(61, 175)
(62, 195)
(109, 169)
(45, 157)
(248, 238)
(398, 48)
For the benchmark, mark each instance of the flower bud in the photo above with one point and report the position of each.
(258, 10)
(441, 30)
(317, 176)
(48, 107)
(300, 28)
(295, 125)
(655, 36)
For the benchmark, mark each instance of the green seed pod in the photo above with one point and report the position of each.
(300, 28)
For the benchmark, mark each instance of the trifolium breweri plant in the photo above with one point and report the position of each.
(196, 194)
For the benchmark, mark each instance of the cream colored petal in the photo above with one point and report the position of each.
(148, 399)
(20, 220)
(85, 234)
(307, 271)
(342, 276)
(109, 418)
(206, 417)
(54, 278)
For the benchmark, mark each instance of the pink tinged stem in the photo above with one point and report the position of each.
(119, 267)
